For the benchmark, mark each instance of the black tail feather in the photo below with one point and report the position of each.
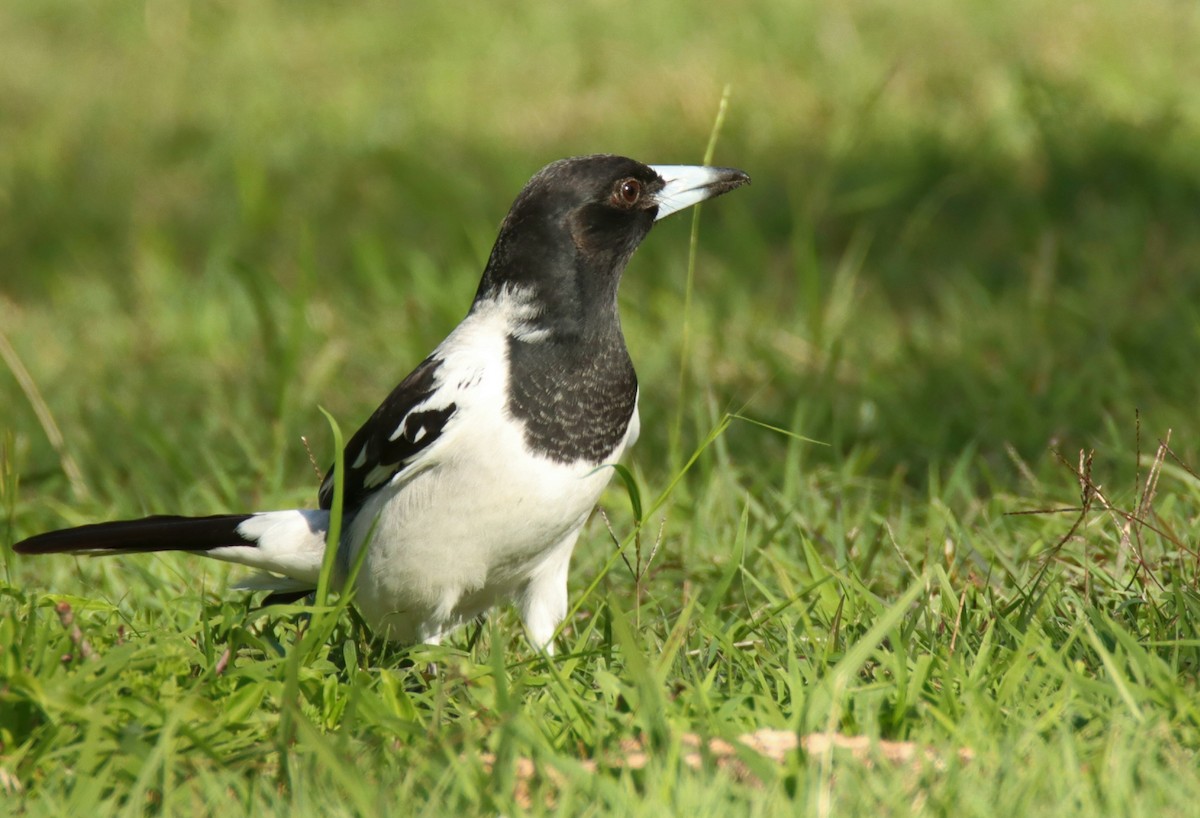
(163, 532)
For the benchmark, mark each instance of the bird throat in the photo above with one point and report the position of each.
(575, 399)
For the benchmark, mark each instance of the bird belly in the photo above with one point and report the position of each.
(456, 539)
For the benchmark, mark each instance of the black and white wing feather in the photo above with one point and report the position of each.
(404, 426)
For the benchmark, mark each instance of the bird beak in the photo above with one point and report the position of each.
(687, 185)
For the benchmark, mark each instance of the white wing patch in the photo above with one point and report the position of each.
(410, 425)
(399, 433)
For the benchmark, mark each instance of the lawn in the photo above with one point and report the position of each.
(913, 519)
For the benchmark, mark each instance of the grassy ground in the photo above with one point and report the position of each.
(969, 253)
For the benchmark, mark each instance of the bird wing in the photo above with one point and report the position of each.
(398, 436)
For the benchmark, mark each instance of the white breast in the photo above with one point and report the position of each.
(479, 515)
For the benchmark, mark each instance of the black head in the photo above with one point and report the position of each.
(572, 230)
(570, 233)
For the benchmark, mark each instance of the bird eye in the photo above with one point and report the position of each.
(627, 193)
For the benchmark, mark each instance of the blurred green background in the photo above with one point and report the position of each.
(970, 243)
(971, 225)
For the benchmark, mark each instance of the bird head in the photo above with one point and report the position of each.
(572, 229)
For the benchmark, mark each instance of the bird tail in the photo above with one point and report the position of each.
(285, 546)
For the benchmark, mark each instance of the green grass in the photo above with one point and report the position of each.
(969, 252)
